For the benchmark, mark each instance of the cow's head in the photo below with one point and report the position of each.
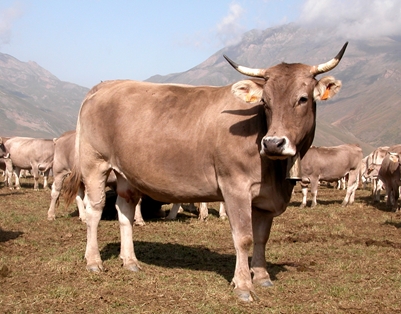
(289, 93)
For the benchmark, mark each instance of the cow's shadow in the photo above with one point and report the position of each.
(9, 235)
(381, 205)
(173, 255)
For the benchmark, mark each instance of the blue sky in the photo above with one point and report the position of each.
(87, 41)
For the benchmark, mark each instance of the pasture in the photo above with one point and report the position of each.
(328, 259)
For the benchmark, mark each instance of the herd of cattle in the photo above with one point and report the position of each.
(245, 144)
(343, 164)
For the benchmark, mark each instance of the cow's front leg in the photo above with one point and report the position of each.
(35, 173)
(313, 191)
(126, 214)
(261, 225)
(239, 215)
(304, 195)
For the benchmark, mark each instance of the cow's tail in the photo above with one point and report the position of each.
(74, 180)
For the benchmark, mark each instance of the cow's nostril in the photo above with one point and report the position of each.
(280, 142)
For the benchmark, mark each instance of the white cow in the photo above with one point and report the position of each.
(34, 154)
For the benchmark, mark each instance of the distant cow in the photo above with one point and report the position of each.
(231, 143)
(331, 164)
(203, 211)
(373, 164)
(5, 162)
(389, 173)
(32, 154)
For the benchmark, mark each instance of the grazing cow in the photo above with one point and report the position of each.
(32, 154)
(389, 174)
(331, 164)
(203, 211)
(373, 163)
(234, 144)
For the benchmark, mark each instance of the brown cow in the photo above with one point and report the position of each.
(389, 174)
(331, 164)
(33, 154)
(234, 144)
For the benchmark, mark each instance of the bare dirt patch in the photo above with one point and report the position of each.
(328, 259)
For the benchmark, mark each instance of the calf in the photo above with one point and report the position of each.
(331, 164)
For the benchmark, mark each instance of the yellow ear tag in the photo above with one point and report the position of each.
(251, 98)
(326, 94)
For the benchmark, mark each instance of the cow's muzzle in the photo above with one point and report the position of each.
(277, 147)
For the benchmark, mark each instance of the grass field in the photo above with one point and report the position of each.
(328, 259)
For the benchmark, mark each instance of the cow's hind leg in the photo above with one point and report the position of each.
(353, 182)
(203, 211)
(55, 194)
(138, 215)
(94, 175)
(261, 225)
(127, 200)
(304, 195)
(222, 211)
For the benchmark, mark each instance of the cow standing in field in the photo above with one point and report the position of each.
(331, 164)
(389, 174)
(31, 154)
(373, 163)
(234, 144)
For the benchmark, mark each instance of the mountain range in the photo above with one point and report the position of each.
(367, 110)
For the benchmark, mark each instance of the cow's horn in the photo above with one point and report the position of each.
(244, 70)
(325, 67)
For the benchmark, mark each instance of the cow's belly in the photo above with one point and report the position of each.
(172, 183)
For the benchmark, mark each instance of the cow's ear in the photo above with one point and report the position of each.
(326, 88)
(249, 91)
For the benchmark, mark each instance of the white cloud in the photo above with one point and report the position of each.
(230, 30)
(7, 18)
(356, 18)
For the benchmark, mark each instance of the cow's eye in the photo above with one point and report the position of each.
(302, 100)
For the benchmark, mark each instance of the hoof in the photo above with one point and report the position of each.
(94, 268)
(266, 283)
(223, 217)
(132, 267)
(51, 218)
(139, 223)
(246, 296)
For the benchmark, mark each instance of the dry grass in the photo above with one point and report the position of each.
(328, 259)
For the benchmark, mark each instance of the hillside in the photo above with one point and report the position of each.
(33, 102)
(367, 111)
(368, 108)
